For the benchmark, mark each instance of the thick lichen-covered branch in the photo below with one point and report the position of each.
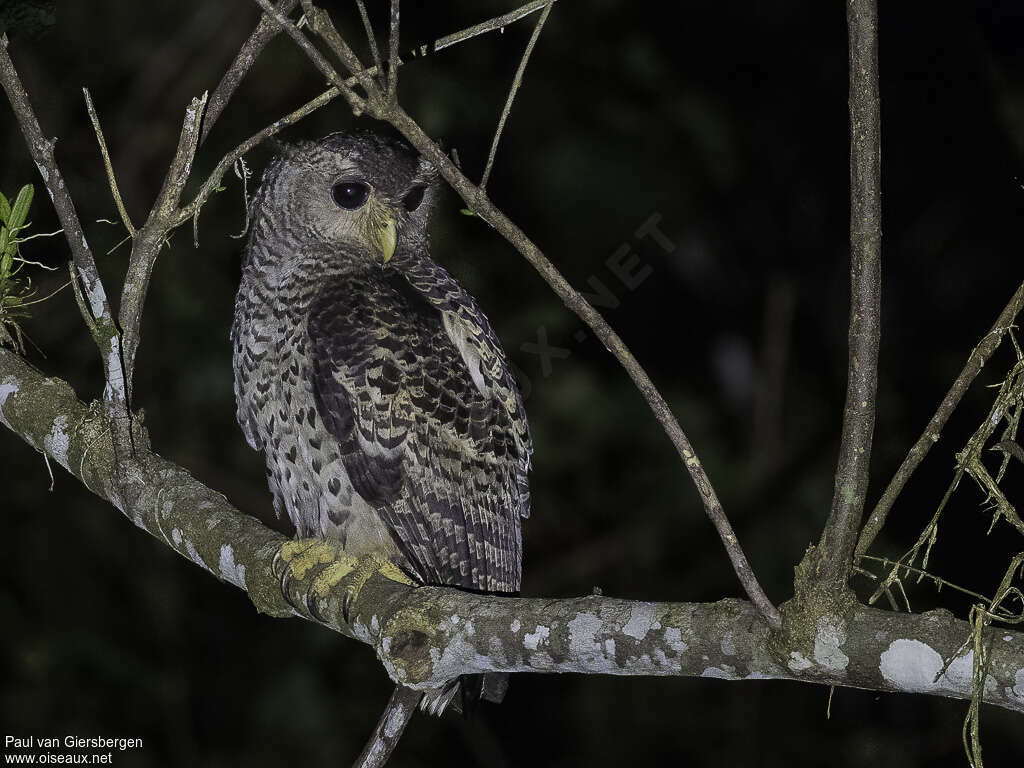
(426, 636)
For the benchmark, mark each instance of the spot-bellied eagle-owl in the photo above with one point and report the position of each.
(370, 379)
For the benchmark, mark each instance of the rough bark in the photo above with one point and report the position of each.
(426, 636)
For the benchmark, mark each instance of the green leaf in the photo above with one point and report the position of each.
(19, 211)
(5, 209)
(4, 256)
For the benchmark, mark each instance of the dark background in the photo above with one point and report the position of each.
(729, 121)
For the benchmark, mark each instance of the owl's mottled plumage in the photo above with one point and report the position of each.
(375, 385)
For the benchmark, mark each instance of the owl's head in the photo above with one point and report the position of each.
(361, 192)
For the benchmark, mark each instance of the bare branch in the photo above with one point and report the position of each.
(477, 201)
(491, 25)
(356, 102)
(516, 82)
(371, 37)
(396, 716)
(420, 643)
(320, 22)
(212, 183)
(102, 327)
(111, 178)
(834, 553)
(146, 245)
(975, 362)
(266, 30)
(393, 42)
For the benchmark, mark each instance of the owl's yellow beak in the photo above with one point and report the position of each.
(388, 238)
(380, 229)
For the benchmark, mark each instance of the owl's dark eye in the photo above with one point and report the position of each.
(350, 194)
(413, 199)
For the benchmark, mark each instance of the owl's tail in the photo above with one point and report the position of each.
(464, 693)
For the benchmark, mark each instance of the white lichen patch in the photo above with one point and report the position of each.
(454, 619)
(674, 640)
(798, 662)
(828, 644)
(194, 555)
(56, 442)
(470, 629)
(641, 616)
(231, 571)
(913, 666)
(515, 626)
(362, 633)
(8, 387)
(609, 648)
(583, 631)
(1017, 692)
(396, 719)
(728, 645)
(176, 537)
(725, 672)
(532, 640)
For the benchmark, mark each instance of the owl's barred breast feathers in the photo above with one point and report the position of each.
(370, 379)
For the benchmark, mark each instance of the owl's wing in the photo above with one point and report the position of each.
(482, 354)
(437, 457)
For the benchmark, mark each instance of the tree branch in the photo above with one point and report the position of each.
(393, 42)
(107, 164)
(266, 30)
(101, 324)
(396, 716)
(146, 246)
(429, 635)
(512, 91)
(477, 201)
(835, 551)
(975, 362)
(498, 22)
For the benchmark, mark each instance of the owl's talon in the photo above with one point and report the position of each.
(313, 607)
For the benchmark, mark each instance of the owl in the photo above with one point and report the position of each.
(371, 381)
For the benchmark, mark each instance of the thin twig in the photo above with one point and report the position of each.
(975, 362)
(396, 716)
(498, 22)
(266, 30)
(393, 41)
(516, 82)
(111, 178)
(834, 554)
(355, 101)
(321, 24)
(371, 38)
(477, 201)
(213, 181)
(101, 326)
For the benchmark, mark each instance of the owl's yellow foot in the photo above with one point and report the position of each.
(361, 572)
(296, 558)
